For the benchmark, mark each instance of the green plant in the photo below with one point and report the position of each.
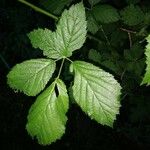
(94, 90)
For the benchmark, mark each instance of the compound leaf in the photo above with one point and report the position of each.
(146, 79)
(96, 92)
(47, 119)
(105, 14)
(31, 76)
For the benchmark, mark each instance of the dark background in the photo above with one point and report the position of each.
(131, 130)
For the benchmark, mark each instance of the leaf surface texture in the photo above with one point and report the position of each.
(31, 76)
(47, 116)
(96, 92)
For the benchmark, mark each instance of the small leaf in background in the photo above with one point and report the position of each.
(132, 15)
(135, 52)
(31, 76)
(69, 36)
(92, 25)
(106, 60)
(146, 79)
(94, 56)
(47, 116)
(105, 13)
(55, 6)
(135, 62)
(96, 92)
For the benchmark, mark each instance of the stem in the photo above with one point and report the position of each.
(101, 27)
(69, 60)
(123, 73)
(94, 38)
(126, 30)
(38, 9)
(124, 96)
(130, 39)
(4, 61)
(61, 66)
(129, 34)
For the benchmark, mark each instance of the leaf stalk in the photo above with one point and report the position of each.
(61, 66)
(39, 9)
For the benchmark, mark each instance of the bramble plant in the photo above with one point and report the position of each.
(96, 91)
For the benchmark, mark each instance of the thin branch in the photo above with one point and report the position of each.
(101, 27)
(122, 75)
(130, 39)
(69, 60)
(38, 9)
(129, 34)
(123, 97)
(4, 61)
(60, 69)
(94, 38)
(129, 31)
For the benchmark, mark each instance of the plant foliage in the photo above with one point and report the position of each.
(94, 90)
(69, 36)
(105, 14)
(132, 15)
(114, 41)
(31, 76)
(47, 119)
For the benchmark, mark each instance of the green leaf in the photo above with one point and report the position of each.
(105, 14)
(106, 60)
(136, 67)
(69, 36)
(134, 53)
(132, 15)
(71, 30)
(92, 25)
(31, 76)
(135, 62)
(44, 39)
(96, 92)
(47, 119)
(146, 79)
(95, 56)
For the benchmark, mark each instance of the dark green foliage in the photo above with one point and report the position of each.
(132, 15)
(105, 13)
